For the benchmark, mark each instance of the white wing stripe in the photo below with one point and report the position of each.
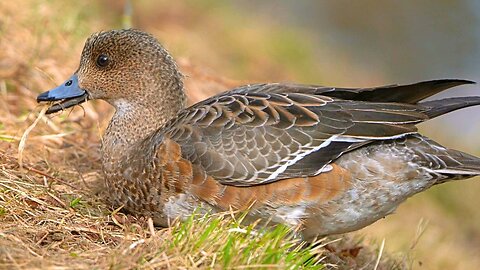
(289, 163)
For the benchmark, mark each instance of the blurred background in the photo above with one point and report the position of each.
(220, 44)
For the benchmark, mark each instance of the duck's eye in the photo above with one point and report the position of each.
(102, 60)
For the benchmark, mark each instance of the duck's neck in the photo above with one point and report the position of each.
(138, 118)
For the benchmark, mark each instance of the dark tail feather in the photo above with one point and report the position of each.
(468, 166)
(411, 93)
(451, 163)
(436, 108)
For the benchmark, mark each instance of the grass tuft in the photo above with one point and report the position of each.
(220, 240)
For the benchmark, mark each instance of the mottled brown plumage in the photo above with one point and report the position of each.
(330, 160)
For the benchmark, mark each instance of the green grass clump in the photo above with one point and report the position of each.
(220, 240)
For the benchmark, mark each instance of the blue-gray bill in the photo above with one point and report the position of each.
(69, 94)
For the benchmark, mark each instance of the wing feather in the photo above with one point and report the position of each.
(409, 93)
(263, 133)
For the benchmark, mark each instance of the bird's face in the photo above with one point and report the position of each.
(114, 65)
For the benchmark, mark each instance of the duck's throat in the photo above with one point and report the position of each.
(129, 126)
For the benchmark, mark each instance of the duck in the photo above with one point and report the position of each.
(325, 160)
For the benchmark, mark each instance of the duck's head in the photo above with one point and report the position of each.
(121, 67)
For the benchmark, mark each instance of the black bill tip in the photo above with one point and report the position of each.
(44, 97)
